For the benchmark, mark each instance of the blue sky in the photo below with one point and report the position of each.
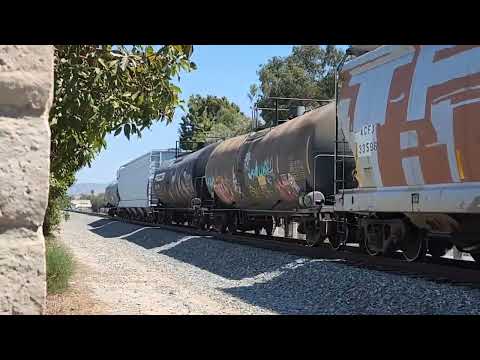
(222, 70)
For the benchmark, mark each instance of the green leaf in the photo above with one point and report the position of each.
(188, 50)
(124, 63)
(92, 98)
(175, 88)
(100, 60)
(126, 130)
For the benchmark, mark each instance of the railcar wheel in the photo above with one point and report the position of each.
(372, 251)
(437, 250)
(232, 225)
(223, 228)
(476, 257)
(202, 225)
(339, 239)
(370, 245)
(313, 238)
(360, 236)
(269, 229)
(335, 242)
(221, 225)
(414, 246)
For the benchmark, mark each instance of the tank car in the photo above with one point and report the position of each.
(416, 148)
(275, 172)
(181, 188)
(112, 198)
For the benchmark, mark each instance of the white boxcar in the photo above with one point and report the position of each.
(134, 178)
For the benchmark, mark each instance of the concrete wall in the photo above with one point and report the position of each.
(26, 92)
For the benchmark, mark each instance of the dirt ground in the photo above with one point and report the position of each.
(77, 300)
(114, 276)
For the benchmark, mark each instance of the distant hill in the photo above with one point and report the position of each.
(86, 188)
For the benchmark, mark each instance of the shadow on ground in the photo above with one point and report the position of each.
(145, 237)
(323, 287)
(289, 284)
(150, 238)
(99, 223)
(230, 261)
(112, 228)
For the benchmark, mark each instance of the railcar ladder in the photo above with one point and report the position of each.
(339, 167)
(339, 184)
(152, 200)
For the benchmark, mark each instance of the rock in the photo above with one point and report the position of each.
(26, 93)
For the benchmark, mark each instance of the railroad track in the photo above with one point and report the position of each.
(443, 270)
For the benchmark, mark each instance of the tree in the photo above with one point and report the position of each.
(308, 72)
(229, 123)
(100, 89)
(209, 118)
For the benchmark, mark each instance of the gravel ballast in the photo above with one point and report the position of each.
(141, 270)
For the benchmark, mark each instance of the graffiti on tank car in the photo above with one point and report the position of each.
(236, 184)
(185, 184)
(209, 182)
(262, 180)
(223, 190)
(259, 189)
(422, 127)
(246, 161)
(265, 168)
(254, 190)
(287, 187)
(186, 175)
(269, 179)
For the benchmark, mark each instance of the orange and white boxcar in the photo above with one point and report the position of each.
(411, 114)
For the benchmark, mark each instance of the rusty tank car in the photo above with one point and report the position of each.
(181, 184)
(274, 169)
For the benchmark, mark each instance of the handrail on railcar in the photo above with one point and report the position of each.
(277, 109)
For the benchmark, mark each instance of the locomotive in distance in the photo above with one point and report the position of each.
(390, 164)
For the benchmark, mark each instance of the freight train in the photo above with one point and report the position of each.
(390, 164)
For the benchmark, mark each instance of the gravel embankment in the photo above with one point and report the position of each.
(137, 270)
